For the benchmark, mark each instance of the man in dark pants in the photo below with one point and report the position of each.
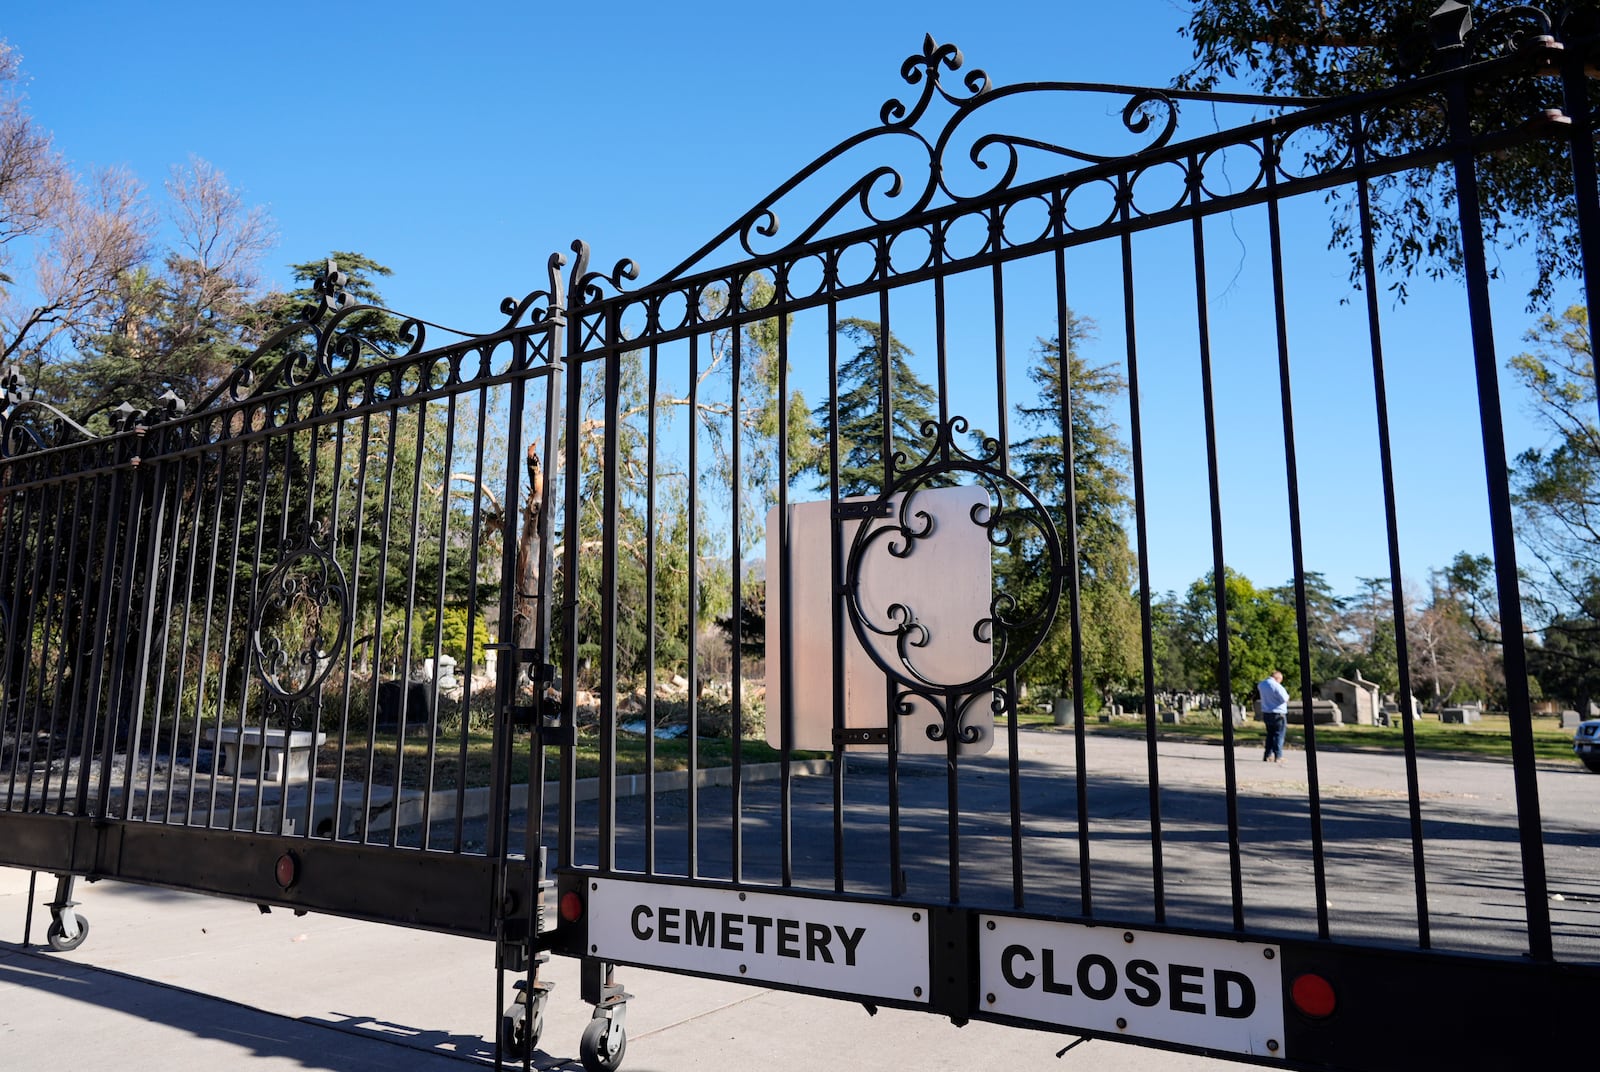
(1274, 713)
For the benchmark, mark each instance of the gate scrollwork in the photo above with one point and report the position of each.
(1014, 524)
(299, 623)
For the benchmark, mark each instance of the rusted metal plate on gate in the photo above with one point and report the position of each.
(924, 585)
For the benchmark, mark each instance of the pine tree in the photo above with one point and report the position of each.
(1109, 613)
(860, 431)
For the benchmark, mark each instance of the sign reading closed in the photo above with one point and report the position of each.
(1207, 992)
(844, 947)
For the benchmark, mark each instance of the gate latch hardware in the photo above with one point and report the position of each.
(861, 735)
(863, 511)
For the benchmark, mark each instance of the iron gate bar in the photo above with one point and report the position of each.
(1219, 570)
(1158, 881)
(436, 641)
(474, 545)
(12, 614)
(11, 637)
(835, 604)
(410, 619)
(178, 548)
(953, 702)
(1408, 714)
(1502, 533)
(102, 721)
(1580, 120)
(194, 544)
(736, 617)
(842, 622)
(1296, 546)
(652, 386)
(693, 660)
(1074, 587)
(350, 651)
(1003, 408)
(156, 481)
(608, 598)
(785, 621)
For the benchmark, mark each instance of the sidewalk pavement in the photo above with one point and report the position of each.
(169, 980)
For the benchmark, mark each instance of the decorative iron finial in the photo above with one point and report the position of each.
(126, 417)
(1449, 25)
(14, 387)
(171, 405)
(329, 286)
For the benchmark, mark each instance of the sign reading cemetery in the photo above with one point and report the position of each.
(1215, 993)
(843, 947)
(936, 571)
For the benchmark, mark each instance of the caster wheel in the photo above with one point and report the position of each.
(57, 938)
(593, 1050)
(520, 1031)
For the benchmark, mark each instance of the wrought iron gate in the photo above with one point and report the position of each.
(224, 625)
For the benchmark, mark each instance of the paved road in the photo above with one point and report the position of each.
(170, 980)
(1472, 863)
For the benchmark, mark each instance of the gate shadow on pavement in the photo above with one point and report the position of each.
(102, 1002)
(464, 1048)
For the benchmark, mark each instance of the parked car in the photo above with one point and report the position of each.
(1586, 743)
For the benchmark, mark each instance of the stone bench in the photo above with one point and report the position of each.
(265, 753)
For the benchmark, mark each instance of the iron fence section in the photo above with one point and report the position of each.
(215, 619)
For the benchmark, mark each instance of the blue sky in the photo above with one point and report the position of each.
(461, 144)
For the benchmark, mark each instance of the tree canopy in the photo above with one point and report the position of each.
(1319, 49)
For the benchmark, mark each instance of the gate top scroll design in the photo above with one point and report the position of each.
(883, 195)
(324, 365)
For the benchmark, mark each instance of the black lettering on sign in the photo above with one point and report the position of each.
(1108, 977)
(733, 933)
(851, 940)
(1050, 984)
(817, 937)
(1008, 966)
(1177, 982)
(1229, 982)
(699, 928)
(760, 923)
(789, 938)
(1146, 979)
(709, 929)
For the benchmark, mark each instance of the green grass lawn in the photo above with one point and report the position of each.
(631, 757)
(1488, 738)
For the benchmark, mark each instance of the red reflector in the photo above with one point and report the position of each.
(1312, 995)
(571, 906)
(287, 870)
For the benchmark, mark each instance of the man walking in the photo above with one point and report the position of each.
(1274, 713)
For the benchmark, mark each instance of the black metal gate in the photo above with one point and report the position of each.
(226, 626)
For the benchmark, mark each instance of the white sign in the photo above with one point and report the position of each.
(843, 947)
(1215, 993)
(946, 582)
